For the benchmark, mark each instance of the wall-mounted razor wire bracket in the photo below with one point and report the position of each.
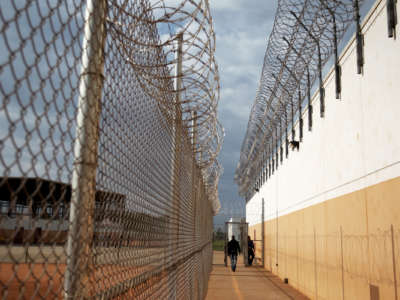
(269, 168)
(286, 135)
(291, 104)
(262, 176)
(280, 146)
(271, 156)
(359, 38)
(273, 165)
(310, 108)
(338, 76)
(265, 173)
(276, 148)
(322, 100)
(321, 83)
(391, 17)
(291, 100)
(300, 119)
(287, 146)
(301, 130)
(338, 70)
(293, 131)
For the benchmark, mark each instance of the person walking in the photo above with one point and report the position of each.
(250, 250)
(233, 251)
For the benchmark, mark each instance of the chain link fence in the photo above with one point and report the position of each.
(108, 146)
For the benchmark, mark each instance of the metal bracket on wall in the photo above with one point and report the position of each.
(300, 119)
(391, 17)
(321, 83)
(286, 134)
(269, 168)
(359, 38)
(310, 108)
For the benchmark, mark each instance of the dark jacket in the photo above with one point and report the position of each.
(250, 246)
(233, 247)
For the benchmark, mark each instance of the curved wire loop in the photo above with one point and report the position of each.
(304, 38)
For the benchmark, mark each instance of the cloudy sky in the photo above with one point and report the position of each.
(242, 29)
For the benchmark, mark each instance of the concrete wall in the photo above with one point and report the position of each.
(332, 210)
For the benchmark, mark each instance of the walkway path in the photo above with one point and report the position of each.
(253, 283)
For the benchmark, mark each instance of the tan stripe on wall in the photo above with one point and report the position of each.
(342, 248)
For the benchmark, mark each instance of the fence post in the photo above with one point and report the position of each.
(80, 234)
(174, 250)
(297, 258)
(194, 196)
(226, 245)
(315, 265)
(245, 231)
(194, 172)
(342, 259)
(262, 235)
(394, 263)
(178, 135)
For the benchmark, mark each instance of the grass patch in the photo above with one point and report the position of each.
(218, 245)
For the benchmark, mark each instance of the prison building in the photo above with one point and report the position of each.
(330, 222)
(36, 211)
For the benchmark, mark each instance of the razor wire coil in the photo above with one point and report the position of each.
(306, 36)
(109, 171)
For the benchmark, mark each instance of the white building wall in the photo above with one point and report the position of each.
(357, 144)
(234, 228)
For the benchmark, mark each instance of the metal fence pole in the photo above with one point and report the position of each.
(173, 249)
(342, 259)
(83, 183)
(394, 263)
(194, 198)
(178, 136)
(262, 235)
(245, 232)
(194, 172)
(226, 245)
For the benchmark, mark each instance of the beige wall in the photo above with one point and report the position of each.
(332, 209)
(355, 229)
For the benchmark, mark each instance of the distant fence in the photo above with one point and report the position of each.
(108, 146)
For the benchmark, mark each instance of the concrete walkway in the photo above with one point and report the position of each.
(253, 283)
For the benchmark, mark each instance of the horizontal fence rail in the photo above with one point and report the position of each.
(108, 149)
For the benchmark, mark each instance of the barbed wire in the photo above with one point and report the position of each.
(108, 149)
(305, 37)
